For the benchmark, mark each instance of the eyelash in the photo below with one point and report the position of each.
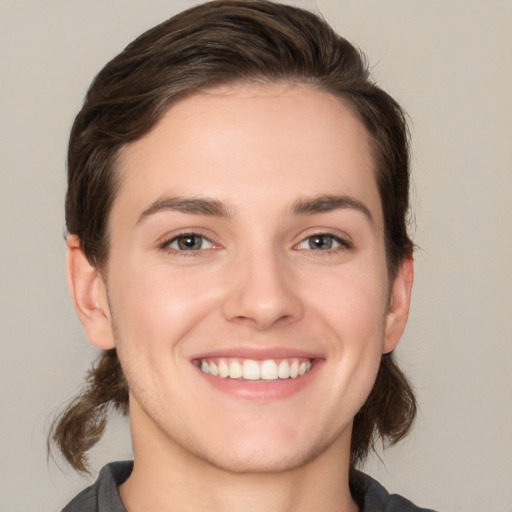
(167, 245)
(343, 245)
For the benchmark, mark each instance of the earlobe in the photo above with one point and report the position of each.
(89, 294)
(400, 298)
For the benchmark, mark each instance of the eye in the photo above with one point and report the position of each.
(323, 242)
(189, 242)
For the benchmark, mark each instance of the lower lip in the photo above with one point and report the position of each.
(262, 390)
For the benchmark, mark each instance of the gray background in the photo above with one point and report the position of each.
(449, 64)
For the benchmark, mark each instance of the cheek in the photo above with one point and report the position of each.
(353, 308)
(352, 299)
(154, 306)
(153, 312)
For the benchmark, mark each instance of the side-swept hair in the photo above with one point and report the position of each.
(226, 41)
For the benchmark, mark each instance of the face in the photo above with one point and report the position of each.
(247, 290)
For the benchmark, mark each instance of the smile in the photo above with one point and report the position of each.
(250, 369)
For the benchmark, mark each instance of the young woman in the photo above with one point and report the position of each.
(236, 205)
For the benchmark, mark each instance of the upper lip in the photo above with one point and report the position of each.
(257, 353)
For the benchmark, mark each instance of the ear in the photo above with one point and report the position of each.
(89, 294)
(399, 301)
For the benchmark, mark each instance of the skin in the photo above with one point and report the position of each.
(257, 284)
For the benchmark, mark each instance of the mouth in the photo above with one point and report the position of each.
(267, 370)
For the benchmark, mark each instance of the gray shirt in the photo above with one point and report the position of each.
(103, 496)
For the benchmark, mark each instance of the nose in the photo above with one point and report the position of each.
(262, 291)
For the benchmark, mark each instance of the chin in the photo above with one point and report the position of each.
(256, 462)
(264, 455)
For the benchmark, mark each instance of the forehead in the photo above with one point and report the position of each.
(240, 143)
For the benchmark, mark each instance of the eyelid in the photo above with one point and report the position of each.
(177, 239)
(342, 239)
(165, 241)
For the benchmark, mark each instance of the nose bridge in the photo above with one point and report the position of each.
(262, 290)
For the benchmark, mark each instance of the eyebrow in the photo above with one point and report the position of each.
(215, 208)
(327, 203)
(194, 206)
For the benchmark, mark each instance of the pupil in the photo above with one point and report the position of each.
(320, 242)
(189, 242)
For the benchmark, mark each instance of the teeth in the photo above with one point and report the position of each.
(294, 369)
(250, 369)
(235, 370)
(283, 371)
(214, 369)
(223, 369)
(269, 370)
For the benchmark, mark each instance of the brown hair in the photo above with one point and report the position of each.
(226, 41)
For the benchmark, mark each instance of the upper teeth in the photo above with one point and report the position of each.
(249, 369)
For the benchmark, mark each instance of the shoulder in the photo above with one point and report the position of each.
(103, 496)
(372, 497)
